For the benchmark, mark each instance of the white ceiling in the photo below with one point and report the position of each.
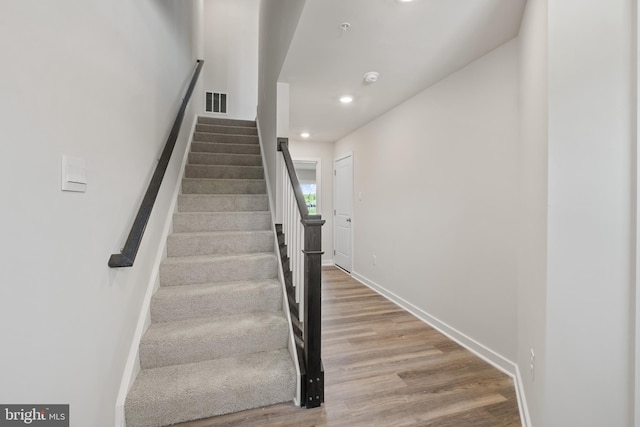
(412, 46)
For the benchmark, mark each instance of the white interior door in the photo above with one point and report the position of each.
(343, 208)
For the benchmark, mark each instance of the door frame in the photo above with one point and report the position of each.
(335, 192)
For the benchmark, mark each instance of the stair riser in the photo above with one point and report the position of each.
(218, 270)
(223, 221)
(227, 130)
(212, 341)
(225, 139)
(210, 147)
(215, 300)
(224, 172)
(225, 159)
(214, 244)
(226, 122)
(222, 203)
(214, 186)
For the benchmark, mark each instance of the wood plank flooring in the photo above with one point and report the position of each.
(384, 367)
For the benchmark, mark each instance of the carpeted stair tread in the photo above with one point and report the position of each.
(201, 158)
(226, 129)
(195, 340)
(226, 122)
(225, 138)
(176, 271)
(223, 203)
(212, 147)
(172, 394)
(218, 339)
(224, 172)
(219, 242)
(171, 303)
(223, 186)
(221, 221)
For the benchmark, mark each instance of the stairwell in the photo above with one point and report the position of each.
(218, 336)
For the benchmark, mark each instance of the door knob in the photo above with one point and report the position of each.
(348, 219)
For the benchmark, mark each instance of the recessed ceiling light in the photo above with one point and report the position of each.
(305, 134)
(346, 99)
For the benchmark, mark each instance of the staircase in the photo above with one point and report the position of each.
(218, 336)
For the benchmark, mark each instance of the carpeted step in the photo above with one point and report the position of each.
(225, 138)
(225, 159)
(172, 394)
(196, 340)
(229, 130)
(225, 122)
(186, 222)
(223, 186)
(224, 172)
(212, 147)
(225, 242)
(171, 303)
(218, 340)
(222, 202)
(175, 271)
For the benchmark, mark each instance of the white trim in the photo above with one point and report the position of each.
(485, 353)
(636, 366)
(132, 366)
(522, 400)
(496, 360)
(327, 263)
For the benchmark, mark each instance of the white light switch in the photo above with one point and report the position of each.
(73, 174)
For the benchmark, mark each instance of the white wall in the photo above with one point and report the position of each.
(305, 150)
(532, 164)
(589, 359)
(101, 81)
(438, 180)
(282, 131)
(278, 21)
(231, 53)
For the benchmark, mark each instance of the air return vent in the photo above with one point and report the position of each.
(215, 102)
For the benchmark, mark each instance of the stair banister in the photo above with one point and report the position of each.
(127, 255)
(302, 233)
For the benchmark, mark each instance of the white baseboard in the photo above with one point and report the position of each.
(498, 361)
(132, 367)
(522, 401)
(327, 263)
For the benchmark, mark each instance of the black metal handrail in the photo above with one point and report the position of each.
(313, 378)
(128, 254)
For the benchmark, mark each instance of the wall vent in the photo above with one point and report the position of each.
(215, 102)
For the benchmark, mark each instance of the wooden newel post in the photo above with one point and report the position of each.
(313, 312)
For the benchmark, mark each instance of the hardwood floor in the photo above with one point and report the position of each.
(384, 367)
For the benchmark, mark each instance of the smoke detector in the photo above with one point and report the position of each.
(371, 77)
